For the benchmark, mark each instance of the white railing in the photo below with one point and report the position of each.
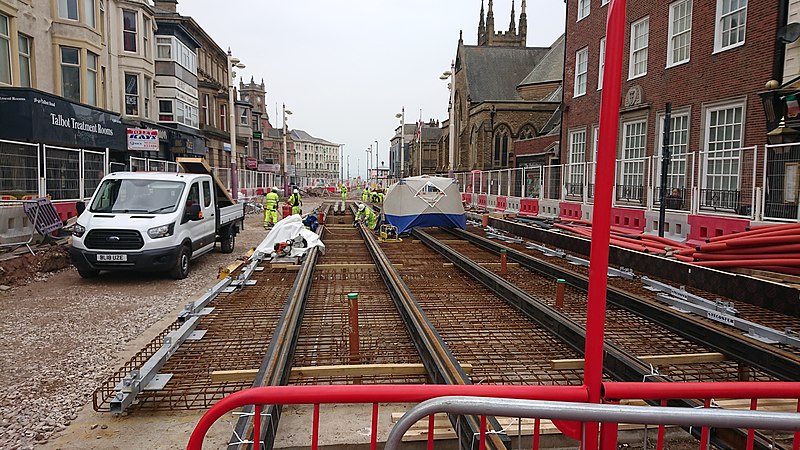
(742, 182)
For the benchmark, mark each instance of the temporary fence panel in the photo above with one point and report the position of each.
(138, 164)
(552, 182)
(631, 181)
(727, 180)
(575, 181)
(564, 403)
(19, 170)
(62, 172)
(680, 176)
(517, 180)
(591, 167)
(533, 182)
(780, 198)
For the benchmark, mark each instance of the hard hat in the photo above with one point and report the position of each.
(295, 191)
(274, 189)
(361, 206)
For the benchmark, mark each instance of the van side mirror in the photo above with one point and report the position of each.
(80, 206)
(193, 212)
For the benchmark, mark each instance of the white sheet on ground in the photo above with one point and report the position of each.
(287, 229)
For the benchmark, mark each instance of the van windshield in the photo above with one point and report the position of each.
(137, 196)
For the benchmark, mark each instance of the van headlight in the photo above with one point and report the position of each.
(162, 231)
(78, 230)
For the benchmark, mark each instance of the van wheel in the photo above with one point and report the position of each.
(181, 268)
(228, 240)
(88, 273)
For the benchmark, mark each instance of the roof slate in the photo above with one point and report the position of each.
(493, 73)
(551, 67)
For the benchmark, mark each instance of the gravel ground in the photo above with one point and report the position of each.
(62, 335)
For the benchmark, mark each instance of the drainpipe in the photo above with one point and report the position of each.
(780, 47)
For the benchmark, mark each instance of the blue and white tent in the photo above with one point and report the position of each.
(424, 201)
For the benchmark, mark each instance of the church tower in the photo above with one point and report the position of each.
(487, 36)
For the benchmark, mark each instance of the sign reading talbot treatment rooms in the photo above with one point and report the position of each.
(34, 116)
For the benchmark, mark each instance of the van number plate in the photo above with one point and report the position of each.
(112, 258)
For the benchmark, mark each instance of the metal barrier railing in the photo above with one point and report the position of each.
(562, 403)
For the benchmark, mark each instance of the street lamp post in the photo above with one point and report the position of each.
(402, 116)
(285, 153)
(376, 163)
(451, 126)
(341, 148)
(233, 179)
(369, 160)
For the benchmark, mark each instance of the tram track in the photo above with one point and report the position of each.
(422, 310)
(777, 360)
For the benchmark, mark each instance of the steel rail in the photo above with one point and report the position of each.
(277, 363)
(767, 358)
(617, 362)
(440, 363)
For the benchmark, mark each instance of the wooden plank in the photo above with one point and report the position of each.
(771, 276)
(486, 264)
(343, 241)
(219, 376)
(686, 358)
(200, 165)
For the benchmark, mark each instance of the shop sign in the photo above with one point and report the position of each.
(35, 116)
(251, 163)
(144, 140)
(274, 168)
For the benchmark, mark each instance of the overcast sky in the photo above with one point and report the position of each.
(346, 67)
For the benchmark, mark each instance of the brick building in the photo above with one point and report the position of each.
(709, 60)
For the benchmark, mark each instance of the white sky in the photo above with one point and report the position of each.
(346, 67)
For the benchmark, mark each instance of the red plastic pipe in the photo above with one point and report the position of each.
(756, 232)
(767, 240)
(773, 249)
(712, 247)
(672, 391)
(686, 259)
(743, 256)
(751, 263)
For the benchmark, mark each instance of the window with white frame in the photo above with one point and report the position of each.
(91, 78)
(163, 48)
(5, 50)
(244, 118)
(723, 156)
(640, 33)
(68, 9)
(129, 31)
(731, 24)
(583, 8)
(577, 162)
(148, 83)
(679, 152)
(206, 115)
(680, 32)
(223, 117)
(24, 60)
(146, 29)
(581, 71)
(602, 65)
(131, 94)
(633, 161)
(593, 166)
(71, 73)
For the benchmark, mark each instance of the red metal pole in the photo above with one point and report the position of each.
(373, 445)
(751, 433)
(661, 430)
(601, 220)
(704, 431)
(796, 443)
(536, 424)
(503, 262)
(257, 428)
(315, 429)
(431, 420)
(482, 437)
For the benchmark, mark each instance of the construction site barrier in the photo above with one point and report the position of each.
(563, 403)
